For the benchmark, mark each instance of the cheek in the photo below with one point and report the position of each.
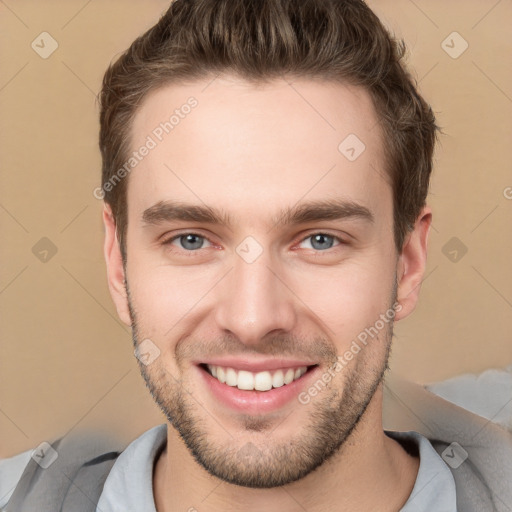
(171, 301)
(165, 302)
(347, 298)
(166, 296)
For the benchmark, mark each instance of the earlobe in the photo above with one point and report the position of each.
(115, 270)
(411, 264)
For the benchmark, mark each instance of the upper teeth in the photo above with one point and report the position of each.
(261, 381)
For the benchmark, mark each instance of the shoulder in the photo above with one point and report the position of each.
(486, 394)
(11, 469)
(434, 488)
(27, 477)
(476, 451)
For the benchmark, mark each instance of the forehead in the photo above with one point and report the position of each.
(238, 146)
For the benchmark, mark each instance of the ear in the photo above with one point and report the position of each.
(115, 270)
(411, 264)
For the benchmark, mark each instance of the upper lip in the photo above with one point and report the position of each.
(257, 365)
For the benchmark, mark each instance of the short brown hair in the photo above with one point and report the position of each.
(260, 40)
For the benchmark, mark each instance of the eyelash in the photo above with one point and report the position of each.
(169, 241)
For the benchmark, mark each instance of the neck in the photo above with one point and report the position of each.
(370, 472)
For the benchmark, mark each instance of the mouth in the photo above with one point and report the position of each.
(256, 392)
(256, 381)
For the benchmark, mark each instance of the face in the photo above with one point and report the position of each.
(256, 242)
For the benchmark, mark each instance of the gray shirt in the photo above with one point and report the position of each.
(129, 486)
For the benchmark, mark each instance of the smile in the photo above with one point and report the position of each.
(256, 392)
(260, 381)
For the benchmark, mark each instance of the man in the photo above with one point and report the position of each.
(265, 171)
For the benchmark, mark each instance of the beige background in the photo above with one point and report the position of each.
(66, 361)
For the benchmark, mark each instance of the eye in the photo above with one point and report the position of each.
(321, 241)
(187, 241)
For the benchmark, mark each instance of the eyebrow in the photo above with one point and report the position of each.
(301, 213)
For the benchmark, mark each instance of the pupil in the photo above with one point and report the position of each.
(322, 240)
(192, 242)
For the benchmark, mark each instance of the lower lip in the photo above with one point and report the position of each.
(256, 402)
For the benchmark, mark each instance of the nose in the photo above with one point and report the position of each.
(254, 301)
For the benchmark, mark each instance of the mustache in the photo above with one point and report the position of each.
(276, 345)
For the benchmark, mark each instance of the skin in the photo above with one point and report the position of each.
(252, 151)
